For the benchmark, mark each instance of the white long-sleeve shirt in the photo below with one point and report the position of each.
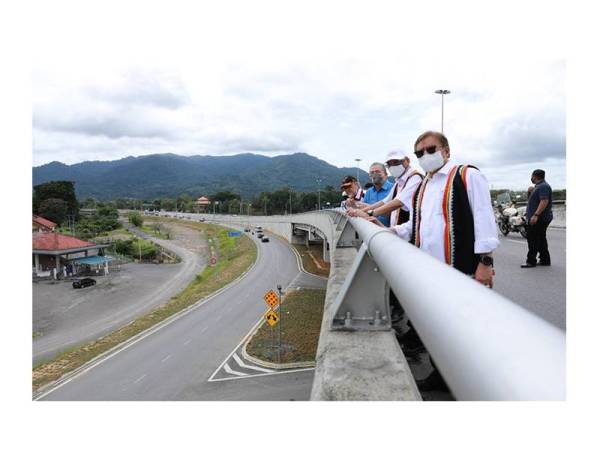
(432, 216)
(405, 192)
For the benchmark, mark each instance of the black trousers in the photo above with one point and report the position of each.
(537, 243)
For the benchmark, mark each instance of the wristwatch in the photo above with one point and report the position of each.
(486, 260)
(370, 212)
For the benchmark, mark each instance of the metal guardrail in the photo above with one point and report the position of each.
(485, 346)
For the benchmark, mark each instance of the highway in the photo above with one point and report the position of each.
(176, 361)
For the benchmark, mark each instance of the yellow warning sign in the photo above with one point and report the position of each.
(271, 299)
(271, 317)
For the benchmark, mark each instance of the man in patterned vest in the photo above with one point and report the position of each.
(451, 211)
(451, 218)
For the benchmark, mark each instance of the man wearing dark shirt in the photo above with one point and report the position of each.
(539, 216)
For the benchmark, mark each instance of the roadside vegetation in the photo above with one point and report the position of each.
(156, 229)
(300, 329)
(234, 257)
(312, 259)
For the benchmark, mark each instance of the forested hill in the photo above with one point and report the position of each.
(169, 175)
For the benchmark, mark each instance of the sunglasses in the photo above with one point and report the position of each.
(395, 162)
(430, 150)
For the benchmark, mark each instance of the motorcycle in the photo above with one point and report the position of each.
(509, 217)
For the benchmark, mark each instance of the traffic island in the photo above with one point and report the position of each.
(300, 320)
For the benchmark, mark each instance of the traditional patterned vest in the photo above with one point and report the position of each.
(459, 229)
(403, 216)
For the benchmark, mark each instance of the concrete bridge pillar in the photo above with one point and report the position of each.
(325, 250)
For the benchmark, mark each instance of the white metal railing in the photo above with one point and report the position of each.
(486, 346)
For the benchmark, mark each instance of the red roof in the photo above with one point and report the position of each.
(57, 241)
(45, 222)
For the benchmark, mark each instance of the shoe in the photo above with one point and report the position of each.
(434, 382)
(527, 265)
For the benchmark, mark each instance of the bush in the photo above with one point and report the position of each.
(136, 219)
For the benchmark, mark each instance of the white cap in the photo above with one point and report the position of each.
(395, 154)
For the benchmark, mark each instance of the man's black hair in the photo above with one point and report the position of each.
(539, 173)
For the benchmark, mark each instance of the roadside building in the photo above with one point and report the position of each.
(54, 251)
(40, 223)
(202, 203)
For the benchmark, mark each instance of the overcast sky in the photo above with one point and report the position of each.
(504, 115)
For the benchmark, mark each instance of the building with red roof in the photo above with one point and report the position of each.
(50, 248)
(40, 223)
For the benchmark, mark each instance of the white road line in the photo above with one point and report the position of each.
(518, 242)
(168, 356)
(139, 379)
(249, 366)
(233, 372)
(187, 342)
(203, 330)
(282, 372)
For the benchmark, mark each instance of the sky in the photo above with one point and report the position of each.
(215, 83)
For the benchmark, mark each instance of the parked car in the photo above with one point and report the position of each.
(84, 282)
(265, 239)
(246, 230)
(260, 235)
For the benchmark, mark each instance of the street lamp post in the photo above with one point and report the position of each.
(358, 160)
(442, 92)
(319, 192)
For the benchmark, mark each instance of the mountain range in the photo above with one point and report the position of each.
(169, 175)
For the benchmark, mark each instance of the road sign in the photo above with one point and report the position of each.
(234, 233)
(271, 317)
(271, 298)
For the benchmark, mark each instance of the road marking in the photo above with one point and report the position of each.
(139, 379)
(282, 372)
(233, 372)
(518, 242)
(168, 356)
(249, 366)
(187, 342)
(203, 330)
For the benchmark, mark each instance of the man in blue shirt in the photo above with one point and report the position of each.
(380, 190)
(539, 216)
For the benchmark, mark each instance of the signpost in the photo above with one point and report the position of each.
(273, 300)
(234, 233)
(272, 317)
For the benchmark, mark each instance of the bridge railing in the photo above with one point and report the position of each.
(486, 346)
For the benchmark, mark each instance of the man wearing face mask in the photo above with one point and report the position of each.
(539, 216)
(380, 190)
(451, 212)
(407, 180)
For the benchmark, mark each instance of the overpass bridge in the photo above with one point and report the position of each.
(485, 346)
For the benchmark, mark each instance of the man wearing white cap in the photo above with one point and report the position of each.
(398, 200)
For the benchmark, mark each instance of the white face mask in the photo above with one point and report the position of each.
(397, 171)
(429, 163)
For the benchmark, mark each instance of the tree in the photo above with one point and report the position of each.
(63, 190)
(54, 209)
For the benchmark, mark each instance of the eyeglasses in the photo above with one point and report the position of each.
(430, 150)
(394, 162)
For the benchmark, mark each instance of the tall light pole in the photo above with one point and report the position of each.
(442, 92)
(358, 160)
(319, 193)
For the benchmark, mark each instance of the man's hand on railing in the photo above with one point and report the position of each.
(375, 221)
(353, 212)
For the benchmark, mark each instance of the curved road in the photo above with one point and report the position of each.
(175, 362)
(99, 311)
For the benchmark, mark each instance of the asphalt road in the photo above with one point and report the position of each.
(68, 317)
(175, 362)
(541, 290)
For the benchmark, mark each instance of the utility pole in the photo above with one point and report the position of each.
(358, 160)
(319, 193)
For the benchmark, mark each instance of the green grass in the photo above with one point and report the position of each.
(240, 255)
(301, 325)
